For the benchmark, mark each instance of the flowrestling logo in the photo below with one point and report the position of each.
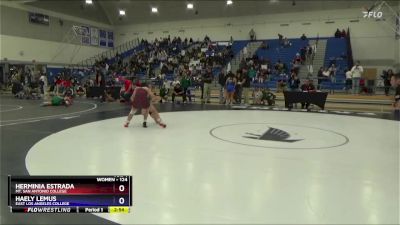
(373, 14)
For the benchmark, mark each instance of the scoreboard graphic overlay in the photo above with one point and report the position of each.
(70, 194)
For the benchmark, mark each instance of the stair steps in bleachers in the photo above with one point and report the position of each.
(318, 61)
(252, 48)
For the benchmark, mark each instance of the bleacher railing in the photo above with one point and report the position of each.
(110, 53)
(350, 61)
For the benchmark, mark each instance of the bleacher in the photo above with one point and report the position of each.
(237, 46)
(276, 52)
(336, 52)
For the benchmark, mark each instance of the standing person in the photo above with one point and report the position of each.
(348, 80)
(252, 35)
(186, 83)
(395, 82)
(43, 85)
(222, 88)
(245, 81)
(140, 100)
(356, 72)
(245, 52)
(230, 84)
(238, 87)
(127, 91)
(386, 80)
(207, 80)
(153, 112)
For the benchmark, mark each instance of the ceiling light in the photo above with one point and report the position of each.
(122, 12)
(89, 2)
(229, 2)
(190, 6)
(154, 10)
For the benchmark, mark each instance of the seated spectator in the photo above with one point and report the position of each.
(268, 96)
(293, 82)
(252, 73)
(264, 45)
(178, 91)
(303, 37)
(80, 91)
(258, 96)
(338, 34)
(286, 43)
(307, 87)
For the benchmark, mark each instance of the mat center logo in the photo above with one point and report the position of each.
(279, 136)
(272, 134)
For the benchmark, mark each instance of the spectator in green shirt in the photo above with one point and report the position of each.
(186, 82)
(252, 74)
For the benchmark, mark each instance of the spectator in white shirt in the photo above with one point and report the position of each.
(332, 72)
(348, 80)
(43, 85)
(245, 52)
(356, 73)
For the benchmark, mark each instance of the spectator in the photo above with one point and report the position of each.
(286, 43)
(307, 87)
(332, 73)
(348, 80)
(386, 80)
(320, 76)
(43, 85)
(303, 37)
(280, 36)
(178, 91)
(252, 35)
(245, 52)
(230, 84)
(252, 73)
(222, 90)
(207, 79)
(343, 34)
(293, 82)
(186, 83)
(338, 34)
(395, 82)
(356, 72)
(245, 82)
(264, 45)
(326, 73)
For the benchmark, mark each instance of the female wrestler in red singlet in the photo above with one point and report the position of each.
(140, 100)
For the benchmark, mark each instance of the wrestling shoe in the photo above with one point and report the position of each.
(126, 124)
(144, 124)
(163, 125)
